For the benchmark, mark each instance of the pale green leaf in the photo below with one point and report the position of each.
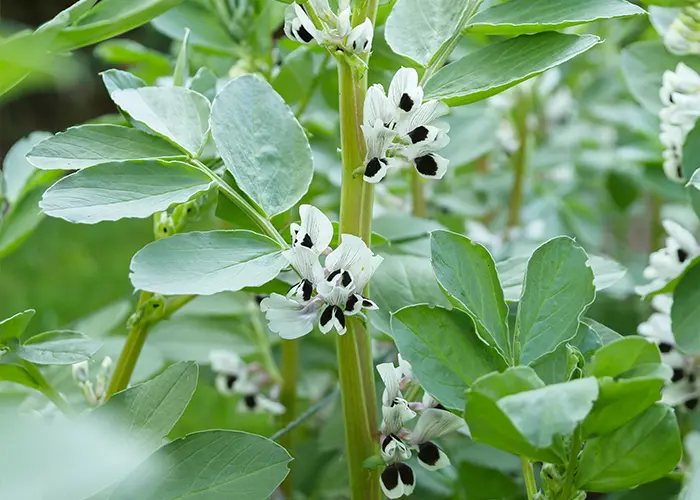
(14, 326)
(19, 222)
(417, 29)
(262, 144)
(444, 350)
(18, 375)
(175, 113)
(685, 311)
(532, 16)
(209, 465)
(58, 348)
(116, 79)
(495, 68)
(16, 170)
(204, 263)
(207, 32)
(558, 289)
(112, 191)
(87, 145)
(623, 355)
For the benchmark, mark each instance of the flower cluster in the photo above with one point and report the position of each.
(335, 32)
(683, 35)
(94, 393)
(680, 95)
(684, 388)
(401, 130)
(326, 293)
(235, 377)
(398, 443)
(668, 262)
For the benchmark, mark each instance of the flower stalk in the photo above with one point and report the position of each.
(529, 475)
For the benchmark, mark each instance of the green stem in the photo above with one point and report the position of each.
(529, 475)
(263, 344)
(572, 465)
(420, 206)
(519, 165)
(288, 397)
(47, 389)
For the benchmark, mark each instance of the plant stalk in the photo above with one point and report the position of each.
(572, 465)
(288, 397)
(420, 206)
(529, 475)
(47, 389)
(519, 166)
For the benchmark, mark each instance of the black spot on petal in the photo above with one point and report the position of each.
(406, 474)
(665, 347)
(440, 407)
(373, 168)
(691, 378)
(250, 401)
(418, 134)
(231, 380)
(390, 476)
(327, 315)
(387, 441)
(679, 171)
(678, 374)
(306, 242)
(346, 279)
(406, 103)
(682, 254)
(427, 165)
(351, 303)
(307, 288)
(368, 303)
(428, 453)
(333, 275)
(304, 35)
(691, 404)
(338, 313)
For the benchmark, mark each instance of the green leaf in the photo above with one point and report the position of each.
(204, 81)
(444, 350)
(110, 18)
(87, 145)
(691, 490)
(623, 355)
(513, 380)
(264, 147)
(151, 409)
(403, 280)
(112, 191)
(203, 263)
(24, 52)
(417, 29)
(207, 32)
(643, 65)
(209, 465)
(20, 221)
(115, 79)
(685, 311)
(644, 449)
(467, 272)
(18, 375)
(60, 347)
(182, 69)
(532, 16)
(14, 326)
(16, 170)
(558, 289)
(495, 68)
(175, 113)
(148, 63)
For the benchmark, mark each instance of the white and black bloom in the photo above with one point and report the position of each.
(401, 130)
(360, 38)
(230, 370)
(326, 293)
(397, 480)
(395, 409)
(668, 262)
(298, 26)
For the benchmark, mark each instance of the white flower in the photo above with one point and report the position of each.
(432, 424)
(230, 370)
(298, 25)
(397, 480)
(314, 232)
(681, 39)
(360, 38)
(404, 92)
(289, 318)
(395, 409)
(80, 372)
(343, 26)
(258, 403)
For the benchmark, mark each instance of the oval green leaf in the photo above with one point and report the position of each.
(177, 114)
(262, 144)
(685, 311)
(87, 145)
(444, 350)
(14, 326)
(112, 191)
(623, 355)
(203, 263)
(533, 16)
(58, 348)
(493, 69)
(209, 465)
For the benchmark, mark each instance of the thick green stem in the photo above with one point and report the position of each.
(529, 475)
(288, 397)
(519, 166)
(420, 206)
(571, 466)
(47, 389)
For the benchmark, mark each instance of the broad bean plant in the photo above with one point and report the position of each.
(443, 249)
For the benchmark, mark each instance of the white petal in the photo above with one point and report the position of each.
(315, 231)
(344, 25)
(405, 367)
(397, 480)
(376, 170)
(395, 416)
(287, 317)
(360, 38)
(684, 237)
(351, 252)
(431, 457)
(424, 114)
(404, 92)
(305, 262)
(429, 401)
(221, 382)
(378, 138)
(431, 166)
(662, 303)
(378, 107)
(270, 406)
(394, 450)
(332, 317)
(353, 305)
(224, 361)
(391, 377)
(434, 423)
(363, 271)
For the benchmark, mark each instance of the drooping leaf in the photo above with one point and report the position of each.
(175, 113)
(87, 145)
(16, 170)
(210, 464)
(558, 289)
(403, 280)
(262, 144)
(532, 16)
(151, 409)
(14, 326)
(203, 263)
(58, 348)
(112, 191)
(623, 355)
(467, 272)
(685, 311)
(495, 68)
(444, 350)
(417, 29)
(20, 221)
(646, 448)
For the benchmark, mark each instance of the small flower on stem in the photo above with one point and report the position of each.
(360, 38)
(298, 26)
